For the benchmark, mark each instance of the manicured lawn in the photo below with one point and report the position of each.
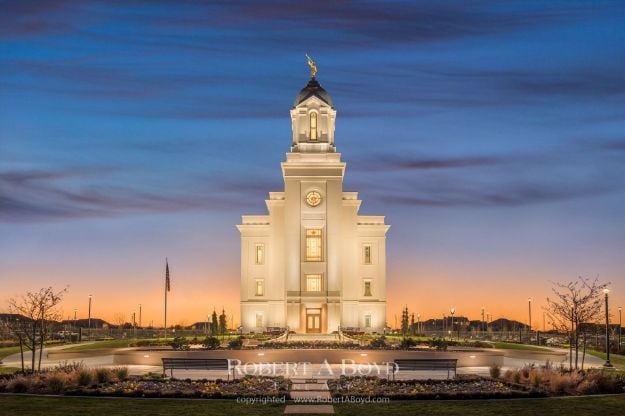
(513, 346)
(113, 343)
(604, 406)
(6, 351)
(9, 370)
(123, 343)
(63, 406)
(618, 361)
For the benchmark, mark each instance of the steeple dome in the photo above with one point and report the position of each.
(313, 88)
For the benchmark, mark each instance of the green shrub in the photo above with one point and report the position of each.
(121, 373)
(407, 343)
(439, 343)
(480, 344)
(211, 343)
(495, 371)
(103, 375)
(84, 377)
(179, 343)
(56, 382)
(236, 343)
(379, 342)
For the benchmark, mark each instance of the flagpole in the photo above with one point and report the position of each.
(166, 288)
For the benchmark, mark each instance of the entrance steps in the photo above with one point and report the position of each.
(313, 337)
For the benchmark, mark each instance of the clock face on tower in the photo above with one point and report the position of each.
(313, 198)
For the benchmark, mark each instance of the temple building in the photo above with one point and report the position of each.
(313, 264)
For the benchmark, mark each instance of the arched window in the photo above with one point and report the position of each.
(313, 126)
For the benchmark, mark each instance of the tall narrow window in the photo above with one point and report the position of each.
(259, 287)
(260, 254)
(367, 253)
(314, 250)
(313, 126)
(313, 283)
(259, 320)
(367, 287)
(367, 321)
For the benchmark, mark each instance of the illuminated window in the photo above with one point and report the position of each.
(367, 287)
(313, 283)
(259, 320)
(260, 287)
(313, 126)
(367, 321)
(313, 245)
(260, 254)
(367, 253)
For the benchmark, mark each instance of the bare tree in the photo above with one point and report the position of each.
(38, 312)
(572, 305)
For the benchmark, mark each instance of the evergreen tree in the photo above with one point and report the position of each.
(404, 321)
(222, 322)
(214, 323)
(412, 326)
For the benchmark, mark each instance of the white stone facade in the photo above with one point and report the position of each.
(313, 264)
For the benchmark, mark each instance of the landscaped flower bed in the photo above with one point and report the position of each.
(142, 387)
(462, 388)
(560, 381)
(105, 382)
(525, 382)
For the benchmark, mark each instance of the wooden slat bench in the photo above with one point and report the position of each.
(425, 364)
(196, 364)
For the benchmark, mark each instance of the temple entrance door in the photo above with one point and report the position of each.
(313, 321)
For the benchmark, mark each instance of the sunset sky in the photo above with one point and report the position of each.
(491, 134)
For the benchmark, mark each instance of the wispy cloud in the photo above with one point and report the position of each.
(511, 194)
(46, 195)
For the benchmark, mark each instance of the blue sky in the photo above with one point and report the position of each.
(491, 135)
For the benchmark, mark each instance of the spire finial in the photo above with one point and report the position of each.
(312, 65)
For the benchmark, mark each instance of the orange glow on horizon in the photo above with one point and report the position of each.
(432, 291)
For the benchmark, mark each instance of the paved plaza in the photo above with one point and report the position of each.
(317, 371)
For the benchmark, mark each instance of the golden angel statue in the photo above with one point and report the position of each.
(313, 67)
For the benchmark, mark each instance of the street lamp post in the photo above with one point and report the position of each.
(419, 323)
(482, 326)
(74, 326)
(89, 324)
(452, 311)
(139, 315)
(620, 326)
(529, 310)
(607, 330)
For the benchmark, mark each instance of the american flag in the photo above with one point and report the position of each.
(167, 283)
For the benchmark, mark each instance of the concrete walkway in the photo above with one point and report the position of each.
(313, 338)
(314, 392)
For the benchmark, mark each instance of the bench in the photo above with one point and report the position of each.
(197, 364)
(274, 330)
(352, 331)
(426, 364)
